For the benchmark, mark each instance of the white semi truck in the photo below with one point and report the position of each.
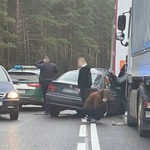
(119, 52)
(138, 65)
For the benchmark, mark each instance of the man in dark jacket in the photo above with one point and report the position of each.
(48, 71)
(84, 79)
(122, 82)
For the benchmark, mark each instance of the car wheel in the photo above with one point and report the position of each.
(54, 112)
(141, 120)
(43, 108)
(130, 121)
(14, 115)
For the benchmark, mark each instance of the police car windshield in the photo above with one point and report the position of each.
(23, 76)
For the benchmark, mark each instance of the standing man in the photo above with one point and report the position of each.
(122, 82)
(84, 79)
(48, 71)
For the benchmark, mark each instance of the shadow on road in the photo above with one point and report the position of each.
(31, 109)
(65, 116)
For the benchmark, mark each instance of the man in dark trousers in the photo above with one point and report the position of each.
(122, 82)
(48, 70)
(84, 79)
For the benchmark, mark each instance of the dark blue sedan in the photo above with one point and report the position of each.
(63, 93)
(9, 98)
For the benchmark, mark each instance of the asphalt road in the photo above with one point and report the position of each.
(35, 131)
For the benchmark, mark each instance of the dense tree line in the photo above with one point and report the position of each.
(62, 29)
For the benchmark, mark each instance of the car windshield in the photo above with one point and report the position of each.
(72, 76)
(3, 76)
(23, 76)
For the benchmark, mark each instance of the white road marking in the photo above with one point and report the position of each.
(81, 146)
(82, 132)
(84, 121)
(94, 137)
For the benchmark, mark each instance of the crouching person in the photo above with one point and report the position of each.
(96, 105)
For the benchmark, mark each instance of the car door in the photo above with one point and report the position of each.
(114, 103)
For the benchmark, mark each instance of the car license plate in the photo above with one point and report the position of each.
(147, 114)
(21, 91)
(68, 90)
(71, 91)
(1, 103)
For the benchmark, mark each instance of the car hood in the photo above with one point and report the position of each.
(6, 87)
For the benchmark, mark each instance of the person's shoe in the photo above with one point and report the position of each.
(92, 120)
(46, 113)
(88, 119)
(105, 114)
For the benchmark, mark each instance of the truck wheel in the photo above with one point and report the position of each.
(130, 121)
(54, 112)
(14, 115)
(140, 120)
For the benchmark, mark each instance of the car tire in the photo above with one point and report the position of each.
(130, 121)
(43, 108)
(141, 120)
(54, 112)
(14, 115)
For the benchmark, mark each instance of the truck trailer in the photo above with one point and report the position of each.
(119, 52)
(138, 65)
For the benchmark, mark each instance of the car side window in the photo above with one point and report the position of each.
(97, 80)
(3, 76)
(71, 76)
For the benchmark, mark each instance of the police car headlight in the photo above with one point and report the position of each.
(13, 95)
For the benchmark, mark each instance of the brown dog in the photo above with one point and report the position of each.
(97, 100)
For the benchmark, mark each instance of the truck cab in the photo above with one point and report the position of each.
(138, 68)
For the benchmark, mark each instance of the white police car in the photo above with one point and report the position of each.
(28, 85)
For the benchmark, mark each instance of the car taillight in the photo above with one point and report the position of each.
(52, 88)
(146, 105)
(34, 85)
